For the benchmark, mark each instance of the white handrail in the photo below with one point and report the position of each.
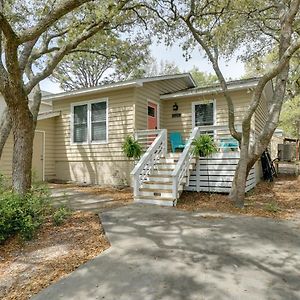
(156, 150)
(182, 166)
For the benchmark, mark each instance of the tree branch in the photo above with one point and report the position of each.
(57, 13)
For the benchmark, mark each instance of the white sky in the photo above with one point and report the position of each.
(233, 69)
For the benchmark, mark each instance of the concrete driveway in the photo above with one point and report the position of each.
(163, 253)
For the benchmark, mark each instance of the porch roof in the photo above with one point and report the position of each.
(234, 85)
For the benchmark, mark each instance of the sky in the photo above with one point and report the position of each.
(232, 69)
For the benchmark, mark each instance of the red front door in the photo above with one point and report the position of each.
(152, 115)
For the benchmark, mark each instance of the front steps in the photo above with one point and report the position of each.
(158, 188)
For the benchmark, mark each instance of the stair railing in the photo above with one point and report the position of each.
(141, 171)
(182, 167)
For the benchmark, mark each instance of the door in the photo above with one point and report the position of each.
(152, 116)
(38, 156)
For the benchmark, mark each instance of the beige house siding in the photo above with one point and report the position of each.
(184, 123)
(48, 127)
(152, 91)
(95, 163)
(142, 96)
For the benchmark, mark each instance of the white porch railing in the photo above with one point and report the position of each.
(222, 137)
(182, 167)
(146, 137)
(155, 151)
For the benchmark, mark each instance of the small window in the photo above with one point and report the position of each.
(90, 122)
(151, 111)
(204, 114)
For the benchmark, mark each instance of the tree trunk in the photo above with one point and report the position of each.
(237, 192)
(5, 128)
(23, 133)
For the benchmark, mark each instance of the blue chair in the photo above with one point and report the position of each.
(176, 141)
(230, 144)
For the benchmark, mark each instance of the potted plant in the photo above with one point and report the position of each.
(131, 148)
(204, 146)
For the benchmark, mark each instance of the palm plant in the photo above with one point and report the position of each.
(131, 148)
(204, 146)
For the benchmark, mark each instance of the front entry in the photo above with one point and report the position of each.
(152, 115)
(38, 156)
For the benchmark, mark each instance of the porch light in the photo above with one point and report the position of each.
(175, 107)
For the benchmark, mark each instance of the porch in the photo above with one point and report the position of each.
(160, 176)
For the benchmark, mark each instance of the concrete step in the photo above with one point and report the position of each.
(155, 200)
(154, 193)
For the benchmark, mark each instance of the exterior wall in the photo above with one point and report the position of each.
(152, 91)
(184, 123)
(48, 127)
(95, 163)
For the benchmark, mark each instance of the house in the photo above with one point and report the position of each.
(80, 138)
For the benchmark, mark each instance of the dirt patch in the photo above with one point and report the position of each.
(28, 267)
(279, 199)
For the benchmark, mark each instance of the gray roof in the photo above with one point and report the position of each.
(187, 77)
(235, 85)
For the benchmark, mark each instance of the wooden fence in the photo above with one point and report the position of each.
(215, 174)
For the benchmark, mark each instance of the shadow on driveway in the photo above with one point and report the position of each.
(163, 253)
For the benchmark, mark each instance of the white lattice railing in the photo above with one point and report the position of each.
(156, 150)
(182, 167)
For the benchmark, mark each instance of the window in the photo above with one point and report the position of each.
(204, 114)
(151, 111)
(90, 122)
(80, 123)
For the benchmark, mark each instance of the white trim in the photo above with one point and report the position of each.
(204, 102)
(48, 115)
(44, 151)
(89, 132)
(157, 112)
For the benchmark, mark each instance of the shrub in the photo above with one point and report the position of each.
(204, 145)
(132, 148)
(22, 214)
(60, 215)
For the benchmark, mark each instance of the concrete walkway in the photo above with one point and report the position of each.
(71, 197)
(163, 253)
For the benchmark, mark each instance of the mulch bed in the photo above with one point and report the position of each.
(279, 199)
(28, 267)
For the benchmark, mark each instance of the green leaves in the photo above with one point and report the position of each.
(204, 145)
(131, 148)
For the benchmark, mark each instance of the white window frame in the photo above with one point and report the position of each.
(214, 111)
(89, 122)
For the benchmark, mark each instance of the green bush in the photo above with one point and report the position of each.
(60, 215)
(204, 145)
(132, 148)
(22, 214)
